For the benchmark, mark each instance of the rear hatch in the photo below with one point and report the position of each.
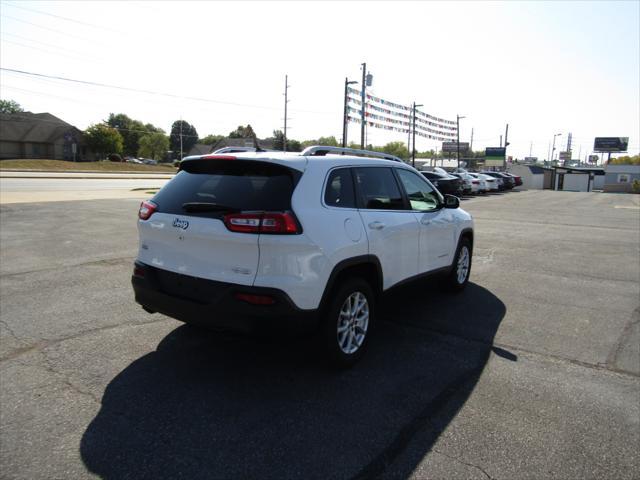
(207, 220)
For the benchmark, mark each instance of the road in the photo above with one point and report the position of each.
(51, 187)
(532, 372)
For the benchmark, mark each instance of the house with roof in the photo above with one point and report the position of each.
(41, 135)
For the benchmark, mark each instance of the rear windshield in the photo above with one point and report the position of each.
(239, 185)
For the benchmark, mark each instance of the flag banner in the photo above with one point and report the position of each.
(396, 117)
(421, 133)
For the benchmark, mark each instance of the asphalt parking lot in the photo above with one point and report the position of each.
(532, 372)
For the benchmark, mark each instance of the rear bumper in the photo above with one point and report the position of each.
(212, 304)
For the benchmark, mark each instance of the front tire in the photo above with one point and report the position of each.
(348, 321)
(458, 277)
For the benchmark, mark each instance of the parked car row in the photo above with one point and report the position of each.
(462, 182)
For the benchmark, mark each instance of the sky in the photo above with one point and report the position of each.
(542, 67)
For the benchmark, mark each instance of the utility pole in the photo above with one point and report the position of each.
(413, 156)
(409, 137)
(364, 98)
(471, 142)
(345, 119)
(530, 148)
(180, 138)
(286, 91)
(506, 136)
(500, 141)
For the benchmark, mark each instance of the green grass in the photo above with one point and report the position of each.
(64, 166)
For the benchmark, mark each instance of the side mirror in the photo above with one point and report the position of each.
(451, 201)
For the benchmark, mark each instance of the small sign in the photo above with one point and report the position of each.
(453, 146)
(494, 156)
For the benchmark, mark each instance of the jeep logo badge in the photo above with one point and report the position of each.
(183, 224)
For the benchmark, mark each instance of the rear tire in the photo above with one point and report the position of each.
(458, 277)
(347, 323)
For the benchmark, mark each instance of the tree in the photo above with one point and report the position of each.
(153, 145)
(211, 139)
(131, 131)
(186, 131)
(243, 132)
(103, 139)
(328, 141)
(625, 160)
(10, 106)
(278, 142)
(399, 149)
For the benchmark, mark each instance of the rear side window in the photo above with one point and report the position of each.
(378, 188)
(239, 185)
(339, 191)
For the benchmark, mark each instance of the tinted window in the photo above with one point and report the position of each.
(339, 192)
(421, 195)
(241, 185)
(378, 189)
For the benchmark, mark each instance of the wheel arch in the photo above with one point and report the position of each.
(364, 266)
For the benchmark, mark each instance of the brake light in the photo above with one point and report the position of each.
(268, 222)
(255, 299)
(243, 222)
(147, 208)
(218, 157)
(475, 182)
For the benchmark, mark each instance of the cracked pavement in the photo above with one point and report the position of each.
(533, 372)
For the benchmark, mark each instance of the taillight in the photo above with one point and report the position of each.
(255, 299)
(475, 182)
(146, 210)
(278, 223)
(138, 271)
(268, 222)
(243, 222)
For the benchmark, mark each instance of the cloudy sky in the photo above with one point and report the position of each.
(542, 67)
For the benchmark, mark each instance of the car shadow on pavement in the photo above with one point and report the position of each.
(213, 405)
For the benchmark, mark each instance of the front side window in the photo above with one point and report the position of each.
(339, 191)
(378, 189)
(421, 195)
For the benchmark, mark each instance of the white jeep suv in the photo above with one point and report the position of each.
(309, 241)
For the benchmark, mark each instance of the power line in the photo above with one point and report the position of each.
(44, 43)
(149, 92)
(52, 30)
(49, 52)
(79, 22)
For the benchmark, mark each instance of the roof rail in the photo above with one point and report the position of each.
(318, 149)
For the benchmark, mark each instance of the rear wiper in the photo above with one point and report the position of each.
(207, 207)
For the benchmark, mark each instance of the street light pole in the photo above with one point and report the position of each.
(413, 149)
(554, 145)
(363, 98)
(345, 119)
(458, 117)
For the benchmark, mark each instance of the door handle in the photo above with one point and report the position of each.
(376, 225)
(425, 221)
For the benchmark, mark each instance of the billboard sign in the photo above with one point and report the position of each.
(453, 146)
(494, 156)
(610, 144)
(565, 155)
